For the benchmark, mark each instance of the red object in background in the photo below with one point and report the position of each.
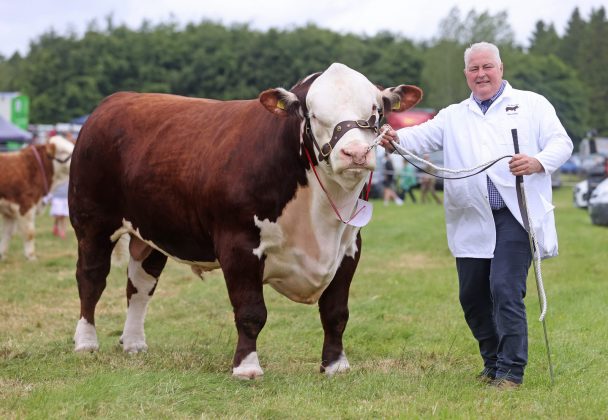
(410, 117)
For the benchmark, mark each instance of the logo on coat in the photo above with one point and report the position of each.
(511, 109)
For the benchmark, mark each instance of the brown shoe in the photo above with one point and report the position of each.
(502, 383)
(486, 376)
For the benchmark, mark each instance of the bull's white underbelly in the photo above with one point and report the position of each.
(304, 248)
(292, 272)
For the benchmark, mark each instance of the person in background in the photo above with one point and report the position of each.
(427, 184)
(377, 181)
(406, 181)
(59, 203)
(389, 182)
(59, 209)
(483, 219)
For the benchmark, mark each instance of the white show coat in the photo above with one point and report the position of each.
(468, 138)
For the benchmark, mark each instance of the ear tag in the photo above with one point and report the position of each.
(396, 106)
(281, 104)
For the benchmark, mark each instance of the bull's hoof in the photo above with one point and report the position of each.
(133, 345)
(339, 366)
(246, 374)
(85, 337)
(249, 368)
(84, 347)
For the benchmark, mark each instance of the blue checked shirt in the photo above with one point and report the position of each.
(496, 201)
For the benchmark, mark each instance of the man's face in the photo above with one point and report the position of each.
(484, 74)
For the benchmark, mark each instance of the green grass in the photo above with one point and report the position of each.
(411, 353)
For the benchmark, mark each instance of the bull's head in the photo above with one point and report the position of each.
(60, 150)
(341, 108)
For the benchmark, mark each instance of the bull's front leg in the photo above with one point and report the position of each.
(243, 274)
(333, 308)
(27, 225)
(7, 233)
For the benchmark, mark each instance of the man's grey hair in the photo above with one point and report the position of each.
(481, 46)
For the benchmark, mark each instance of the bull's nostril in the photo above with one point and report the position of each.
(356, 154)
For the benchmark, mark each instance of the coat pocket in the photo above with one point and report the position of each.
(457, 193)
(544, 229)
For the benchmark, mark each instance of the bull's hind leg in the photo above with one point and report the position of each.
(333, 308)
(144, 269)
(92, 269)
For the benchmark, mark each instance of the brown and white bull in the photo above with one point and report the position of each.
(228, 184)
(26, 177)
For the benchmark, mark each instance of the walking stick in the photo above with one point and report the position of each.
(523, 208)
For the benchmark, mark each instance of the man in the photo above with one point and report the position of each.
(389, 182)
(484, 224)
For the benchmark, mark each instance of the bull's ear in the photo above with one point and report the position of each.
(50, 149)
(401, 98)
(279, 101)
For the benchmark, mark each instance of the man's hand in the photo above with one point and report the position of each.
(390, 135)
(521, 164)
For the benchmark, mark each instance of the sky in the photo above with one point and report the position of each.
(24, 21)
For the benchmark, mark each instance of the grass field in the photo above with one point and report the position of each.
(411, 353)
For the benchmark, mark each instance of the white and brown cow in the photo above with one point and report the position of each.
(26, 176)
(230, 185)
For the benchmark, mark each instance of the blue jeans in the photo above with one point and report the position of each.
(492, 295)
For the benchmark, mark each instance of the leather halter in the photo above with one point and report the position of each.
(301, 91)
(339, 130)
(64, 160)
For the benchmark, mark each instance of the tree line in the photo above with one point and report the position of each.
(66, 75)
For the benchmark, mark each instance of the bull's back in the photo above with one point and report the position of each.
(132, 140)
(172, 166)
(126, 125)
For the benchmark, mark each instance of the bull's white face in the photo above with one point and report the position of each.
(342, 94)
(61, 162)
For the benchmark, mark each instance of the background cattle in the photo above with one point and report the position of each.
(26, 178)
(258, 188)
